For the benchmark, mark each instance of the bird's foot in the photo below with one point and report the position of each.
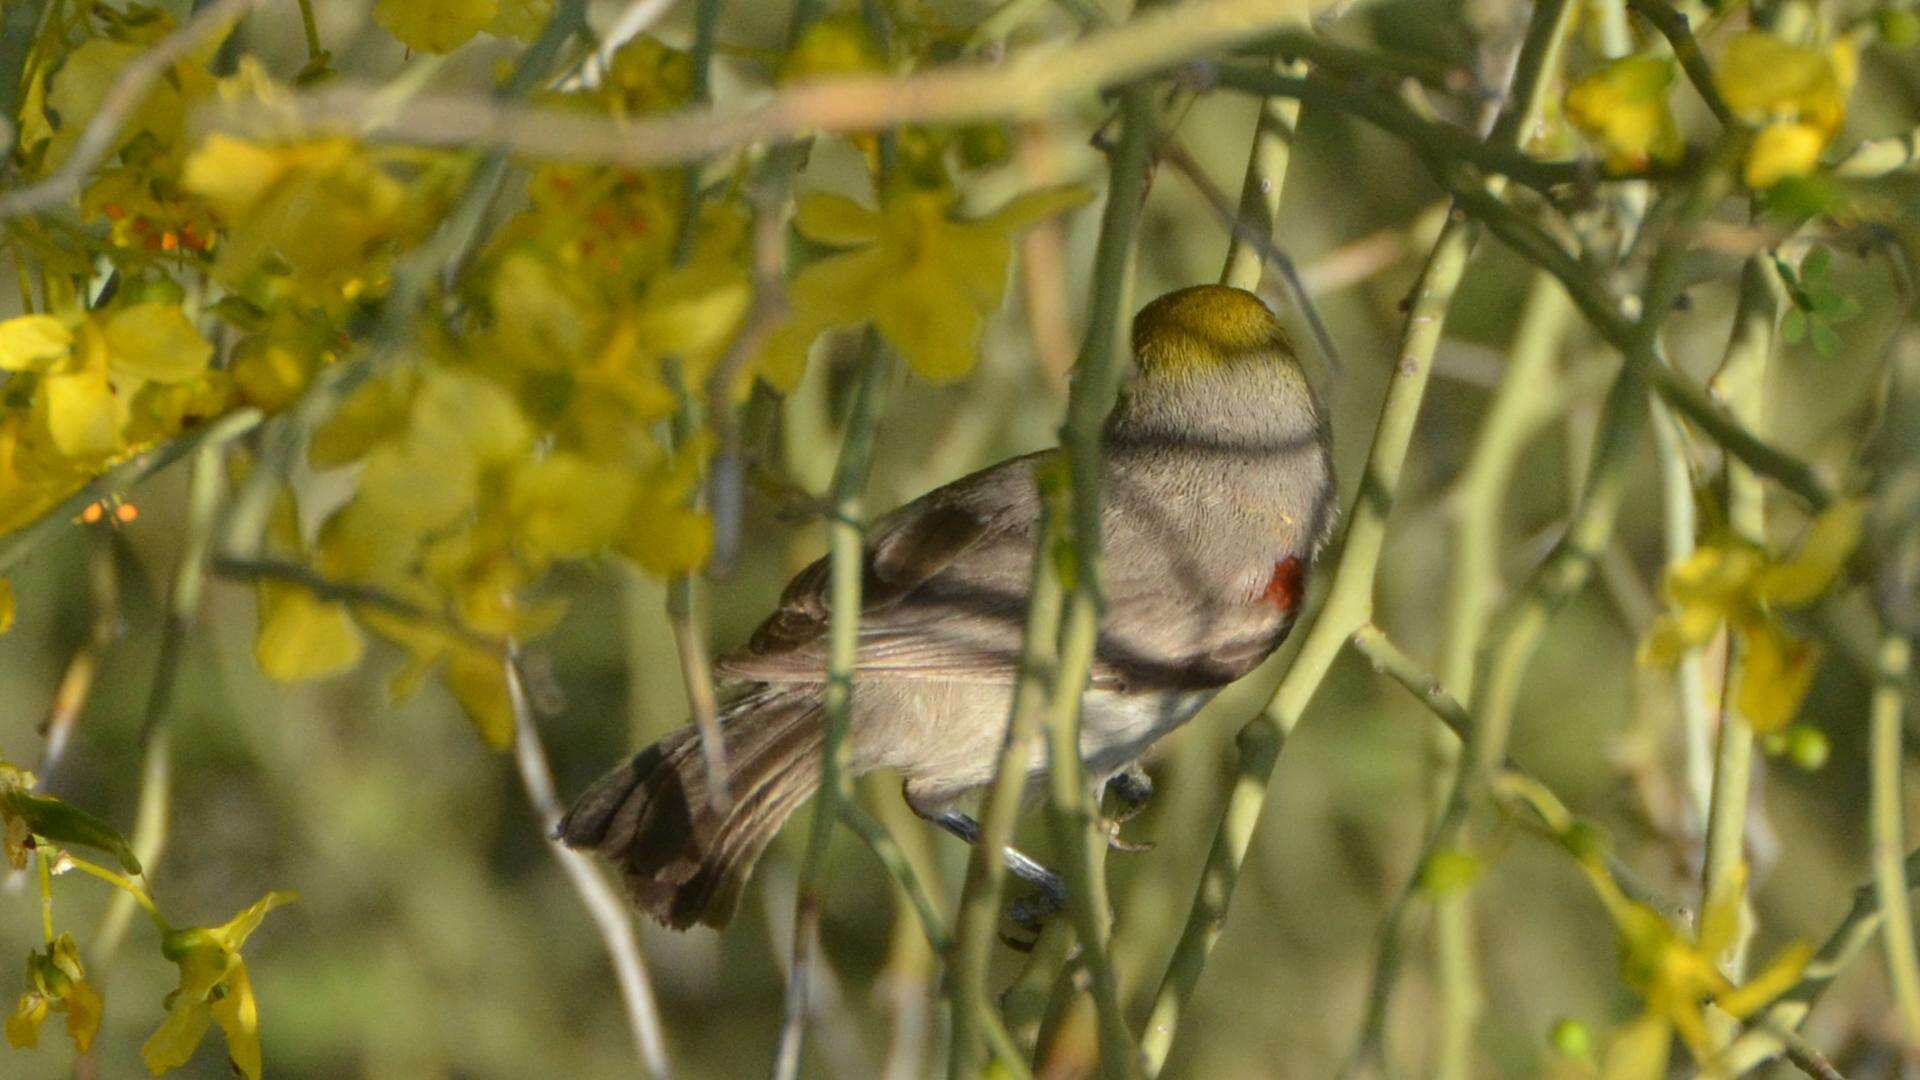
(1030, 913)
(1131, 787)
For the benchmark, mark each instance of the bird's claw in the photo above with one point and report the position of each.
(1121, 844)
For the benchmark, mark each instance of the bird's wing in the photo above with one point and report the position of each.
(945, 590)
(943, 594)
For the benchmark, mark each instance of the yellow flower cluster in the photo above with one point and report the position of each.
(1676, 975)
(1796, 94)
(1734, 583)
(214, 985)
(440, 26)
(1624, 107)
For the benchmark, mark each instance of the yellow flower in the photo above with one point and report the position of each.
(31, 342)
(664, 535)
(839, 45)
(646, 76)
(1624, 106)
(1676, 977)
(6, 605)
(926, 279)
(1735, 583)
(436, 26)
(88, 396)
(214, 989)
(523, 19)
(55, 983)
(308, 219)
(1797, 93)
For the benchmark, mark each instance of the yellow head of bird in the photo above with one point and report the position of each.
(1205, 327)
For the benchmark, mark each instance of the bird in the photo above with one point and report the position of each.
(1218, 493)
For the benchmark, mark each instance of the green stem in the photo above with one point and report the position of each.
(847, 563)
(1843, 945)
(311, 27)
(1740, 383)
(1890, 884)
(125, 884)
(1260, 191)
(1431, 137)
(1674, 27)
(1518, 409)
(1601, 310)
(46, 894)
(986, 871)
(1096, 381)
(887, 850)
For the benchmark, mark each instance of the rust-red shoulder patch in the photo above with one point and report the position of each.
(1288, 584)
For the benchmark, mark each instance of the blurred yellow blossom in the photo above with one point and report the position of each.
(1797, 94)
(6, 605)
(436, 26)
(926, 279)
(838, 45)
(30, 342)
(1624, 106)
(55, 983)
(1734, 582)
(91, 380)
(306, 220)
(214, 989)
(523, 19)
(1677, 976)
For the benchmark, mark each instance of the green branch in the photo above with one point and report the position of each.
(1532, 243)
(1097, 372)
(1888, 829)
(986, 871)
(1686, 48)
(847, 566)
(1741, 383)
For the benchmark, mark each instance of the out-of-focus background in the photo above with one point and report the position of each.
(435, 935)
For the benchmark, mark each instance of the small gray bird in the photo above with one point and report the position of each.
(1218, 495)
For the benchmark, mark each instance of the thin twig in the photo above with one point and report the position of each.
(99, 137)
(846, 544)
(1247, 235)
(1740, 383)
(1096, 380)
(610, 912)
(1888, 829)
(1674, 27)
(75, 688)
(352, 592)
(887, 850)
(986, 871)
(119, 479)
(726, 476)
(1033, 83)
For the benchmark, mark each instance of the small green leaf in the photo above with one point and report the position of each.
(1793, 326)
(1825, 341)
(68, 824)
(1814, 267)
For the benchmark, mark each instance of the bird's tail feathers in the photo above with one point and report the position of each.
(683, 861)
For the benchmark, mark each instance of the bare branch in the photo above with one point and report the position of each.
(609, 910)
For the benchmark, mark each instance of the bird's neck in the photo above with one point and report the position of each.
(1253, 408)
